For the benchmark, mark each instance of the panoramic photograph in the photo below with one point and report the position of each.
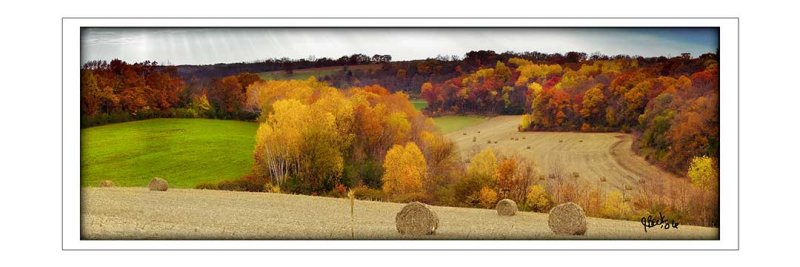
(513, 133)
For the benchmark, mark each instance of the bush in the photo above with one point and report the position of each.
(466, 191)
(488, 197)
(338, 191)
(614, 206)
(235, 185)
(366, 193)
(367, 172)
(270, 188)
(538, 199)
(207, 186)
(409, 197)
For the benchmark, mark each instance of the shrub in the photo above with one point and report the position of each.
(538, 199)
(488, 197)
(253, 183)
(483, 165)
(366, 193)
(467, 190)
(409, 197)
(207, 186)
(270, 188)
(234, 185)
(614, 206)
(703, 173)
(338, 191)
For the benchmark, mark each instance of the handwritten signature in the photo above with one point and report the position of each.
(660, 221)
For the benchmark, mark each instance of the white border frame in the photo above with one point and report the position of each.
(729, 141)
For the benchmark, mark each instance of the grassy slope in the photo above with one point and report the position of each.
(419, 104)
(452, 123)
(183, 151)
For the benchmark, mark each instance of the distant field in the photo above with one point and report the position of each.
(592, 156)
(419, 104)
(136, 213)
(302, 74)
(452, 123)
(183, 151)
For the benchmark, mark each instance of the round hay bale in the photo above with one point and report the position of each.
(506, 207)
(567, 218)
(106, 183)
(158, 184)
(416, 219)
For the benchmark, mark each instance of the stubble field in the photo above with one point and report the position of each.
(591, 157)
(136, 213)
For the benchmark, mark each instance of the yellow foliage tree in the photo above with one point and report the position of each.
(405, 170)
(506, 173)
(538, 199)
(614, 206)
(483, 165)
(703, 173)
(487, 197)
(593, 100)
(525, 122)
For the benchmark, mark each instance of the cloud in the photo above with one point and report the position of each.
(221, 45)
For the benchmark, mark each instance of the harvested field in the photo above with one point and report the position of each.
(586, 156)
(136, 213)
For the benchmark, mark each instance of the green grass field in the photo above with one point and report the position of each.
(419, 104)
(185, 152)
(452, 123)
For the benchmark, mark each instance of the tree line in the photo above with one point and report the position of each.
(672, 105)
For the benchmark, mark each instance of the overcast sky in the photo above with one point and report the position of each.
(226, 45)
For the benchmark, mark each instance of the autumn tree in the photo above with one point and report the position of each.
(483, 165)
(487, 197)
(615, 206)
(593, 105)
(404, 170)
(703, 173)
(537, 199)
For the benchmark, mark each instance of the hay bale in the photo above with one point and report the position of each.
(158, 184)
(106, 183)
(416, 219)
(567, 219)
(506, 207)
